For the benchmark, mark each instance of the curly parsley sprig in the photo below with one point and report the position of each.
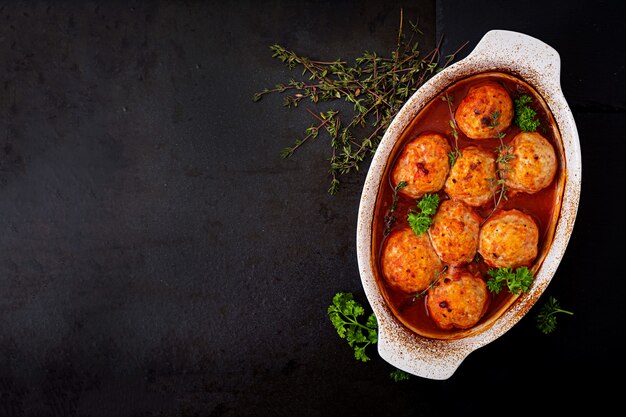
(546, 319)
(344, 314)
(398, 375)
(421, 220)
(516, 281)
(525, 115)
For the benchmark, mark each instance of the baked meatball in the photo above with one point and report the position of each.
(423, 164)
(472, 178)
(409, 262)
(532, 165)
(459, 299)
(485, 111)
(509, 238)
(454, 232)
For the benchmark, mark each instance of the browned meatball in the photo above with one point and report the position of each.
(472, 177)
(423, 164)
(459, 299)
(454, 232)
(409, 262)
(532, 163)
(509, 238)
(485, 111)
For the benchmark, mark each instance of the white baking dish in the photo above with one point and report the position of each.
(539, 65)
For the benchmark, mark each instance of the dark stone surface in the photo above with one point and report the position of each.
(158, 258)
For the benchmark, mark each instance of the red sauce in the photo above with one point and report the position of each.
(543, 206)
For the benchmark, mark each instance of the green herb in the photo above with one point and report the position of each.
(525, 115)
(438, 276)
(390, 219)
(495, 119)
(546, 319)
(344, 314)
(421, 220)
(516, 281)
(454, 154)
(498, 184)
(374, 87)
(398, 375)
(329, 120)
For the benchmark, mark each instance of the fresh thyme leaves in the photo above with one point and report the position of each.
(495, 119)
(546, 319)
(344, 314)
(421, 221)
(454, 153)
(390, 219)
(498, 184)
(329, 120)
(375, 86)
(525, 115)
(438, 276)
(516, 281)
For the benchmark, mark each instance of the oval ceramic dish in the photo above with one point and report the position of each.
(538, 65)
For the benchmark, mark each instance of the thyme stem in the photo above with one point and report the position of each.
(375, 86)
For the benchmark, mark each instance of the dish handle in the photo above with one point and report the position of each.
(518, 52)
(436, 360)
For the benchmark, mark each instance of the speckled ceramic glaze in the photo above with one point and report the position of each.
(539, 65)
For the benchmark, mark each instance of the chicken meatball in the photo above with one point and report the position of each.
(509, 239)
(454, 232)
(532, 164)
(472, 177)
(459, 299)
(423, 164)
(485, 111)
(409, 262)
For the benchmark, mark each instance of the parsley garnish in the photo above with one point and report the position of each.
(421, 221)
(344, 314)
(546, 319)
(524, 115)
(517, 281)
(399, 375)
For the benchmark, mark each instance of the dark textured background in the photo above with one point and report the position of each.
(158, 258)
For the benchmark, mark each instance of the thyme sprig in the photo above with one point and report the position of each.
(375, 86)
(454, 154)
(390, 218)
(498, 184)
(433, 282)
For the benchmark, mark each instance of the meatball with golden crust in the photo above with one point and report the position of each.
(509, 239)
(454, 232)
(459, 299)
(485, 111)
(472, 177)
(532, 163)
(423, 164)
(409, 262)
